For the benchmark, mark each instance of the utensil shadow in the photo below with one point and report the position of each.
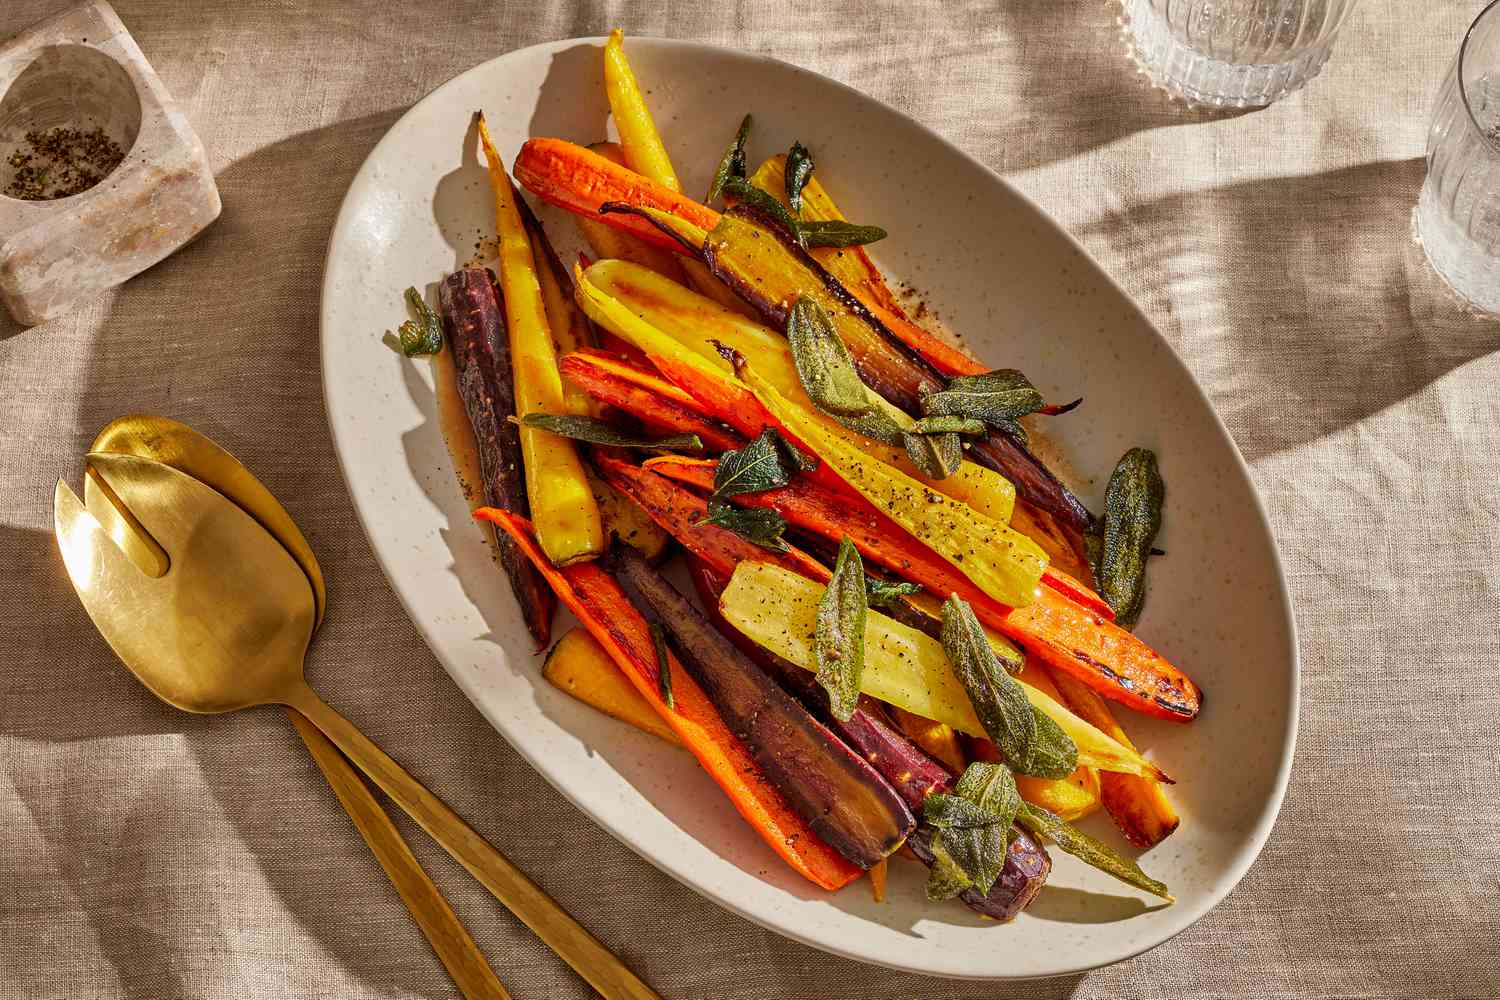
(1284, 347)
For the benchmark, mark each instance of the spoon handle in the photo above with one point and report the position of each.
(441, 926)
(548, 921)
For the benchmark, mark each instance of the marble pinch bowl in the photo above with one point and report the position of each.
(81, 69)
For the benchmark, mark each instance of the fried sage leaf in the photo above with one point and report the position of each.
(799, 167)
(733, 163)
(884, 593)
(598, 432)
(998, 398)
(1085, 848)
(972, 824)
(738, 187)
(938, 456)
(663, 668)
(1031, 742)
(839, 641)
(838, 233)
(1132, 517)
(422, 335)
(948, 425)
(824, 365)
(754, 524)
(761, 465)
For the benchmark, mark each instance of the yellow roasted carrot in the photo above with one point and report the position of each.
(580, 667)
(563, 509)
(1004, 565)
(626, 521)
(777, 608)
(644, 151)
(646, 154)
(694, 322)
(570, 328)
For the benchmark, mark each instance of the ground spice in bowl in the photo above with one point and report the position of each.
(59, 162)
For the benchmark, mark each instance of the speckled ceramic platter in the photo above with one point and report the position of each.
(1022, 293)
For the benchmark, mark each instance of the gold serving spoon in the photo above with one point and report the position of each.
(226, 625)
(183, 448)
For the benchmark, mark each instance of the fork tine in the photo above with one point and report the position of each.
(121, 525)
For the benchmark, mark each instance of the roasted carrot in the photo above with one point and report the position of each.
(1055, 629)
(854, 269)
(1138, 805)
(610, 243)
(571, 328)
(646, 153)
(827, 512)
(1063, 547)
(681, 512)
(579, 180)
(601, 605)
(657, 412)
(638, 372)
(562, 505)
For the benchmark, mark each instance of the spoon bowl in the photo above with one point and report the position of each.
(226, 626)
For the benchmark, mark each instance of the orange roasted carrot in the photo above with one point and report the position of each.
(658, 412)
(602, 607)
(580, 180)
(1055, 629)
(681, 512)
(637, 371)
(829, 512)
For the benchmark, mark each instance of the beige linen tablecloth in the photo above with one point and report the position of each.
(144, 853)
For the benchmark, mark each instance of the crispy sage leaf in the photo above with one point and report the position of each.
(598, 432)
(424, 334)
(973, 826)
(663, 668)
(754, 524)
(738, 187)
(1030, 744)
(948, 425)
(998, 398)
(883, 593)
(760, 465)
(946, 878)
(1079, 844)
(733, 163)
(1132, 517)
(938, 456)
(824, 365)
(840, 638)
(838, 233)
(799, 167)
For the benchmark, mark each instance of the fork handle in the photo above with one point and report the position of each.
(436, 919)
(548, 921)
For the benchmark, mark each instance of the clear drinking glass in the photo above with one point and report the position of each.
(1458, 213)
(1233, 53)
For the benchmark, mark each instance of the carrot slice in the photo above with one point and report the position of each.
(602, 607)
(657, 412)
(1058, 631)
(580, 180)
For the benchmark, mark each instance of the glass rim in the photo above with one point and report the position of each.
(1493, 141)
